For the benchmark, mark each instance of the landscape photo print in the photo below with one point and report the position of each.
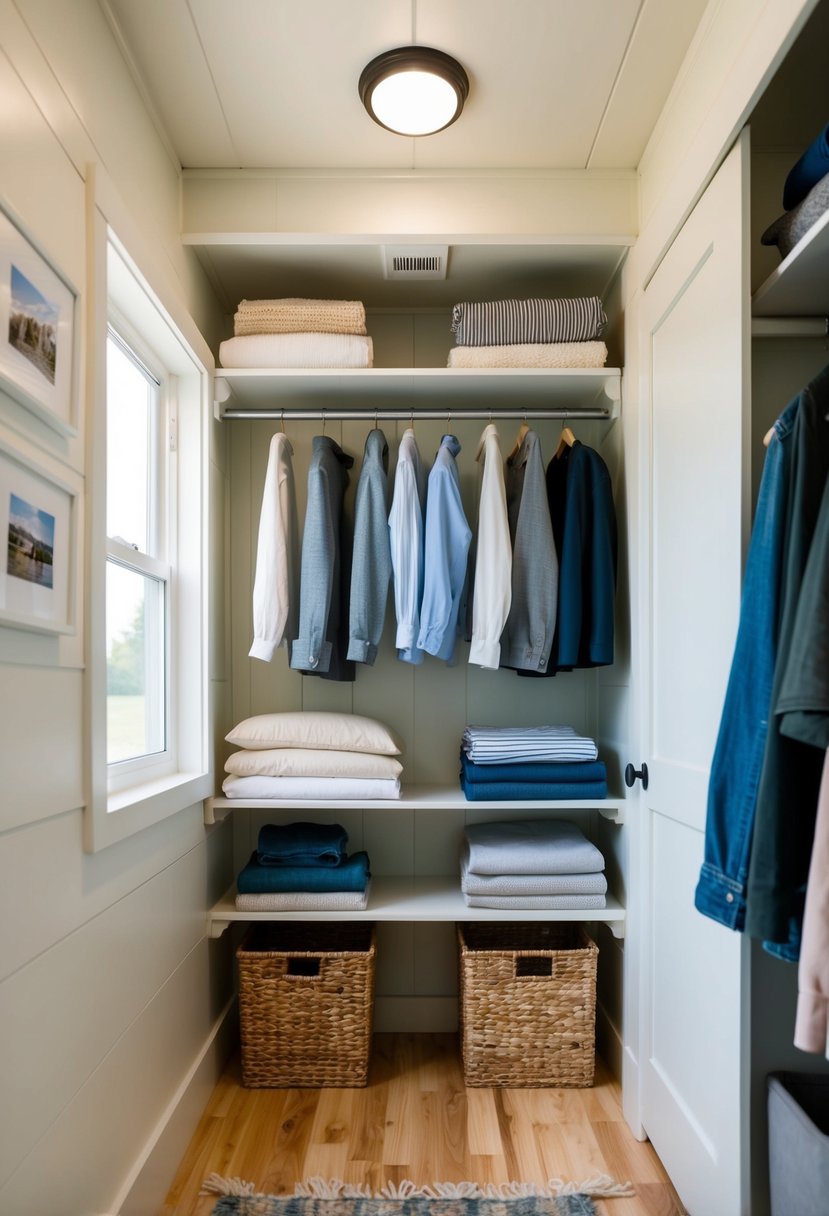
(37, 331)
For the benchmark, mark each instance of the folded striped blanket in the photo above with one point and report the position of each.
(498, 744)
(530, 354)
(297, 350)
(294, 314)
(505, 322)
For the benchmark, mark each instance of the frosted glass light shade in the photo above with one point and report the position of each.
(414, 90)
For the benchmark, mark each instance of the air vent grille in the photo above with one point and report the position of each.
(415, 261)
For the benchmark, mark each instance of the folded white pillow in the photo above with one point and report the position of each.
(311, 762)
(322, 729)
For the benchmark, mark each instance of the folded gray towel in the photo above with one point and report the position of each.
(530, 884)
(550, 902)
(789, 229)
(531, 846)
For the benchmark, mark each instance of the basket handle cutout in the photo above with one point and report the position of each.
(303, 968)
(532, 965)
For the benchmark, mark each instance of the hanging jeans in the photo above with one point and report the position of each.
(738, 755)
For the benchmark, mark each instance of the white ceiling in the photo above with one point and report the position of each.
(554, 84)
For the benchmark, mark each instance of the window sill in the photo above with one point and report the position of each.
(142, 805)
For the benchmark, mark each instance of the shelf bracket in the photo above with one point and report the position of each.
(212, 813)
(222, 393)
(617, 928)
(613, 391)
(614, 814)
(216, 926)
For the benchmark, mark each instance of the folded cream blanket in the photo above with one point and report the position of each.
(308, 901)
(530, 354)
(297, 350)
(294, 314)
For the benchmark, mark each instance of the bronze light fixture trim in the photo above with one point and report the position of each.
(414, 90)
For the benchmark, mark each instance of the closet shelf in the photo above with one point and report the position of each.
(415, 798)
(270, 392)
(799, 286)
(416, 899)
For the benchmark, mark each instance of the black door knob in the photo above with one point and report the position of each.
(632, 773)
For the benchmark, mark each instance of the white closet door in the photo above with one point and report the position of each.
(696, 331)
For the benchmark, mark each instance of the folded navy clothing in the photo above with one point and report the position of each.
(351, 875)
(532, 791)
(807, 172)
(302, 844)
(556, 771)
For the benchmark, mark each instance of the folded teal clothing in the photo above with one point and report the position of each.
(532, 791)
(556, 771)
(351, 875)
(302, 844)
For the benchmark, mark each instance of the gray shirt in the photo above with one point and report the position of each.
(371, 561)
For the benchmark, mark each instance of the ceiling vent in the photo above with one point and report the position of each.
(415, 261)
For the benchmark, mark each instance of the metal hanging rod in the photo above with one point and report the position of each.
(790, 327)
(403, 415)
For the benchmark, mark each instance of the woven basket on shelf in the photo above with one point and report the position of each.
(306, 1002)
(527, 1004)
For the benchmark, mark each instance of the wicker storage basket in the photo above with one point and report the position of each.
(527, 1004)
(306, 1000)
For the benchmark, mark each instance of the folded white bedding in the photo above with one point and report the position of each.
(297, 350)
(531, 884)
(530, 354)
(550, 902)
(317, 788)
(311, 762)
(310, 901)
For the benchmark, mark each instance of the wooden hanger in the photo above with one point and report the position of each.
(519, 439)
(565, 440)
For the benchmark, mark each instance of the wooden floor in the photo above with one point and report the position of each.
(416, 1120)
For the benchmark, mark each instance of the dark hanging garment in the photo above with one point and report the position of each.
(325, 574)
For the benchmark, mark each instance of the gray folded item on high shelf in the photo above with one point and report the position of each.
(297, 350)
(530, 354)
(530, 884)
(506, 322)
(789, 229)
(531, 846)
(573, 903)
(305, 901)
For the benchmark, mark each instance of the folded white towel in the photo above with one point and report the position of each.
(316, 788)
(530, 354)
(307, 901)
(297, 350)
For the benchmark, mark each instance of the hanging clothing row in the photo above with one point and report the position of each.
(326, 598)
(766, 862)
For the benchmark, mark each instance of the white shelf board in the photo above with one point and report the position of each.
(269, 389)
(415, 798)
(799, 286)
(424, 898)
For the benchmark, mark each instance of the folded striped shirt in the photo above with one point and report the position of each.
(498, 744)
(504, 322)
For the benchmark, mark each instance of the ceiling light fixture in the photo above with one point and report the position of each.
(414, 90)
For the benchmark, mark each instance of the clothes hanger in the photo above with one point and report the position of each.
(480, 446)
(565, 440)
(523, 430)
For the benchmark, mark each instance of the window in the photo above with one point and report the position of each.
(148, 565)
(138, 574)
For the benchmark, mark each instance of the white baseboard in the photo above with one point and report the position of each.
(146, 1187)
(608, 1041)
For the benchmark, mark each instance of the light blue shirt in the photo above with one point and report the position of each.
(447, 537)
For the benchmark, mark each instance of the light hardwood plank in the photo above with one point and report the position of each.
(416, 1120)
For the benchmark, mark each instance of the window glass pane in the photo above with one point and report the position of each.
(135, 664)
(131, 397)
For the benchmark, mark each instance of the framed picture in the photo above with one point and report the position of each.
(38, 521)
(38, 341)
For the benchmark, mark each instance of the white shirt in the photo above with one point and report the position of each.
(406, 540)
(276, 585)
(493, 559)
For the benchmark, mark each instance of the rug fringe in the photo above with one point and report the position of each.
(599, 1186)
(215, 1184)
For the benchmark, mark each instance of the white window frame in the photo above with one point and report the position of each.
(135, 800)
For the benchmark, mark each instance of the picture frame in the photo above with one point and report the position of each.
(38, 330)
(38, 521)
